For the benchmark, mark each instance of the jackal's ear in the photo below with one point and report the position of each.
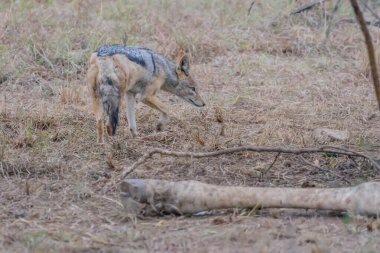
(182, 63)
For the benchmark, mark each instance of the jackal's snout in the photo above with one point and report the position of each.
(188, 90)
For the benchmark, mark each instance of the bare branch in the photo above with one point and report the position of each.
(323, 149)
(370, 49)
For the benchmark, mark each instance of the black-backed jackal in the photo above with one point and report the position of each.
(117, 71)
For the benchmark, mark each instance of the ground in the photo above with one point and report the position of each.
(268, 78)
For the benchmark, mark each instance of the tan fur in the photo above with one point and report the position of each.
(150, 196)
(181, 55)
(126, 75)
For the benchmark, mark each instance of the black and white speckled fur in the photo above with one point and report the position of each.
(152, 61)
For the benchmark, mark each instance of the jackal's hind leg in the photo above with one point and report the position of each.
(131, 113)
(153, 102)
(101, 122)
(96, 104)
(107, 127)
(98, 110)
(100, 118)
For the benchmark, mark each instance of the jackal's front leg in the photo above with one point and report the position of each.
(131, 116)
(153, 102)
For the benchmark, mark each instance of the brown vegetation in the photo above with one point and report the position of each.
(267, 81)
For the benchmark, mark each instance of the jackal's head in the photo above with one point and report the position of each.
(187, 88)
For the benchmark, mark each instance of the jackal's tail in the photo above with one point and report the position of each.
(110, 97)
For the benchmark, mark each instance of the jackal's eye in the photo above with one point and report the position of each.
(192, 88)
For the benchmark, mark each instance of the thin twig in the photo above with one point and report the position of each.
(125, 39)
(307, 7)
(271, 165)
(354, 161)
(370, 49)
(328, 30)
(370, 10)
(250, 7)
(3, 171)
(320, 168)
(369, 23)
(370, 159)
(323, 149)
(109, 199)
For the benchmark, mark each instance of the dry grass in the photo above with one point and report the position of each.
(267, 80)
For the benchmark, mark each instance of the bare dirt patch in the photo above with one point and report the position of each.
(266, 80)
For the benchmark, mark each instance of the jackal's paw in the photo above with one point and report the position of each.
(100, 140)
(160, 126)
(134, 132)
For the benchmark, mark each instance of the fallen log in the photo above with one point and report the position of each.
(157, 197)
